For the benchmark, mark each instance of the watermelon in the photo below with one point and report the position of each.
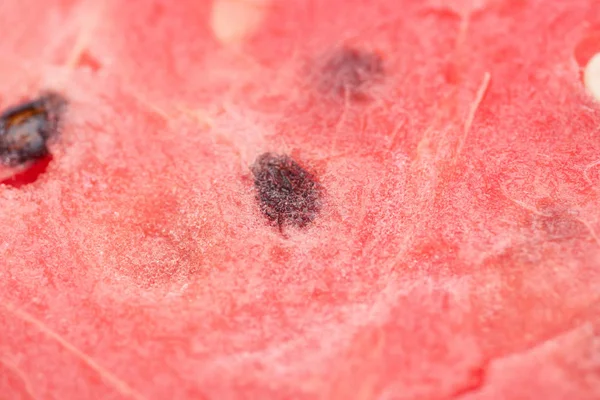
(304, 199)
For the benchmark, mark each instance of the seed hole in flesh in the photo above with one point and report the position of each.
(349, 71)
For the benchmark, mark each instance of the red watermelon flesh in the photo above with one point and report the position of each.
(456, 255)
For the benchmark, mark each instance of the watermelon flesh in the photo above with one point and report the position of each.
(456, 255)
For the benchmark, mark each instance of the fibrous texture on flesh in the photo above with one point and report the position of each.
(454, 253)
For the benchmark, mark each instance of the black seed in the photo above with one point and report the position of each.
(350, 71)
(286, 192)
(26, 128)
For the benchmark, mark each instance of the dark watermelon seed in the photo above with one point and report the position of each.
(288, 195)
(26, 128)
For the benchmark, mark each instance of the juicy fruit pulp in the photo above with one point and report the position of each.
(456, 253)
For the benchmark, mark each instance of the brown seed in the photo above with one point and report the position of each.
(287, 194)
(26, 128)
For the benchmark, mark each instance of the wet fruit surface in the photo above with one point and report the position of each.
(455, 253)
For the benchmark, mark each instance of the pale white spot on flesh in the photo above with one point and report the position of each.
(233, 21)
(591, 76)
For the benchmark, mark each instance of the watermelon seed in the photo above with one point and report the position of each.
(233, 21)
(287, 193)
(587, 56)
(26, 128)
(350, 72)
(591, 76)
